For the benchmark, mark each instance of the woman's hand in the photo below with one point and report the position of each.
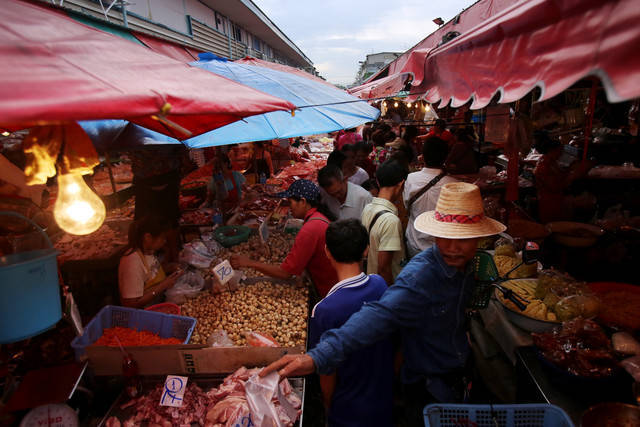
(173, 278)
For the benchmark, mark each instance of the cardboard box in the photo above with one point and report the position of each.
(185, 359)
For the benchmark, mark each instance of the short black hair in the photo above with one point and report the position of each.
(329, 173)
(348, 148)
(336, 157)
(390, 173)
(364, 146)
(410, 132)
(370, 184)
(435, 151)
(441, 123)
(347, 240)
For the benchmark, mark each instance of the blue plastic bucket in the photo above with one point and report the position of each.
(29, 292)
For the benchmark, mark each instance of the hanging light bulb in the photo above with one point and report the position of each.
(395, 104)
(5, 134)
(409, 105)
(77, 210)
(427, 108)
(384, 103)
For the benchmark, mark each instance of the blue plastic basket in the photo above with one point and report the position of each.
(165, 325)
(525, 415)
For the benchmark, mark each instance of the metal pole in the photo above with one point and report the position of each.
(229, 39)
(123, 5)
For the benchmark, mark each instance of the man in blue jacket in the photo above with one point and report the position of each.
(426, 305)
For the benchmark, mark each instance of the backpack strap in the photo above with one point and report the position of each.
(375, 218)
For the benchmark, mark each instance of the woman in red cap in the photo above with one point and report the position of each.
(308, 251)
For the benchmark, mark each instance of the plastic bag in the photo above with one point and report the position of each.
(219, 338)
(260, 393)
(256, 339)
(632, 366)
(196, 254)
(187, 286)
(623, 342)
(211, 243)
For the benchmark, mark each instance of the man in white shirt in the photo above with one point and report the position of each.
(380, 217)
(344, 199)
(354, 173)
(434, 152)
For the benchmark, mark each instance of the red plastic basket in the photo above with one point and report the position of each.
(165, 307)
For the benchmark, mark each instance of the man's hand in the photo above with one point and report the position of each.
(238, 261)
(291, 366)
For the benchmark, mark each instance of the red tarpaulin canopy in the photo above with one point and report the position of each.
(543, 43)
(166, 48)
(382, 87)
(55, 69)
(479, 12)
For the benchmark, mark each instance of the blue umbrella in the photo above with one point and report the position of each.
(322, 109)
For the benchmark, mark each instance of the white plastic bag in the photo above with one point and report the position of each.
(187, 286)
(211, 243)
(219, 338)
(196, 254)
(260, 393)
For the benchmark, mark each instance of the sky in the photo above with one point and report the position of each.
(336, 34)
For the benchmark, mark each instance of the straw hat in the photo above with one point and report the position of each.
(459, 214)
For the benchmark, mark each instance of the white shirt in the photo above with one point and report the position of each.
(132, 274)
(416, 240)
(360, 177)
(357, 199)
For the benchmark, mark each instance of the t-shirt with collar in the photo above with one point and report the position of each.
(360, 177)
(416, 240)
(363, 392)
(386, 234)
(308, 253)
(357, 198)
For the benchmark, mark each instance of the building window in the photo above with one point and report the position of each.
(220, 23)
(257, 44)
(237, 33)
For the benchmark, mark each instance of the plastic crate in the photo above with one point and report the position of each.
(525, 415)
(165, 325)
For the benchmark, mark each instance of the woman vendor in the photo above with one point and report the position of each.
(227, 184)
(552, 180)
(308, 251)
(261, 164)
(141, 278)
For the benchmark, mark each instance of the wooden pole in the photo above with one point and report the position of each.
(108, 162)
(590, 111)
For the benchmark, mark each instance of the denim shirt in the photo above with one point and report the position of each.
(427, 305)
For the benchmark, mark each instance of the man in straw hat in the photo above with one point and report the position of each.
(426, 305)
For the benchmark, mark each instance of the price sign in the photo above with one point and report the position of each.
(264, 230)
(223, 271)
(173, 393)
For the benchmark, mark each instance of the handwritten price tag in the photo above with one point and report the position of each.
(173, 393)
(223, 271)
